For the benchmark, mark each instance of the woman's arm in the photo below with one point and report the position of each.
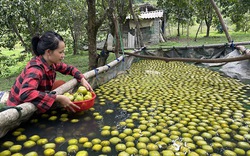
(71, 70)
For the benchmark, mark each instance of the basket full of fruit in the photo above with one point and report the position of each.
(82, 98)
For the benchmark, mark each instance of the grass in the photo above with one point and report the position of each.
(81, 61)
(214, 38)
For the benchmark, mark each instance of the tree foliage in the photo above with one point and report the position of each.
(80, 22)
(20, 20)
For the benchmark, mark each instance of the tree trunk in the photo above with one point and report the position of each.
(92, 32)
(178, 28)
(195, 39)
(136, 20)
(221, 20)
(208, 30)
(104, 54)
(117, 41)
(208, 21)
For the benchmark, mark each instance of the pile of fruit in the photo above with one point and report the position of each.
(80, 95)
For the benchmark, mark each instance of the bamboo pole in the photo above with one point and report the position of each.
(245, 57)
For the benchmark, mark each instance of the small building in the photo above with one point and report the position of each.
(151, 26)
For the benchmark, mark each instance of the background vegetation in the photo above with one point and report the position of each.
(83, 23)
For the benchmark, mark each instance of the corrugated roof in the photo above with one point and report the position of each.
(149, 15)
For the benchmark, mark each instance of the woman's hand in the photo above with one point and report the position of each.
(66, 103)
(85, 83)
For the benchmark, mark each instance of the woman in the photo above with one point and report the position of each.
(36, 80)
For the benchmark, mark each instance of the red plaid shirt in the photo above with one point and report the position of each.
(36, 80)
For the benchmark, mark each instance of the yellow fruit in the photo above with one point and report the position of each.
(7, 144)
(61, 153)
(31, 154)
(17, 154)
(5, 153)
(52, 118)
(97, 147)
(78, 98)
(74, 120)
(106, 149)
(96, 141)
(15, 148)
(105, 143)
(82, 153)
(49, 145)
(82, 90)
(98, 117)
(87, 144)
(143, 152)
(49, 152)
(59, 140)
(72, 148)
(73, 142)
(34, 137)
(115, 140)
(42, 141)
(29, 144)
(83, 140)
(21, 138)
(109, 111)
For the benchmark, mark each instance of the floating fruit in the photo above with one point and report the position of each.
(83, 140)
(96, 141)
(120, 147)
(72, 148)
(52, 118)
(29, 144)
(5, 153)
(97, 147)
(49, 145)
(59, 140)
(33, 153)
(21, 137)
(7, 144)
(15, 148)
(87, 144)
(106, 149)
(49, 152)
(34, 137)
(114, 140)
(82, 153)
(42, 141)
(74, 120)
(109, 111)
(61, 153)
(72, 141)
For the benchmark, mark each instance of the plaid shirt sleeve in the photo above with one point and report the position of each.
(69, 70)
(28, 91)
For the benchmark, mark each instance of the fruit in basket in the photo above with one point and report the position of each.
(87, 97)
(82, 90)
(79, 97)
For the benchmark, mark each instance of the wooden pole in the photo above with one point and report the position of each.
(221, 20)
(221, 60)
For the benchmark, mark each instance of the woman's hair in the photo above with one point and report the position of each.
(49, 40)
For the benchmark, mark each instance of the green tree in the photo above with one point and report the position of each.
(71, 16)
(204, 12)
(20, 20)
(95, 20)
(238, 12)
(178, 11)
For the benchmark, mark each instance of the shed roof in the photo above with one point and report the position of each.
(149, 15)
